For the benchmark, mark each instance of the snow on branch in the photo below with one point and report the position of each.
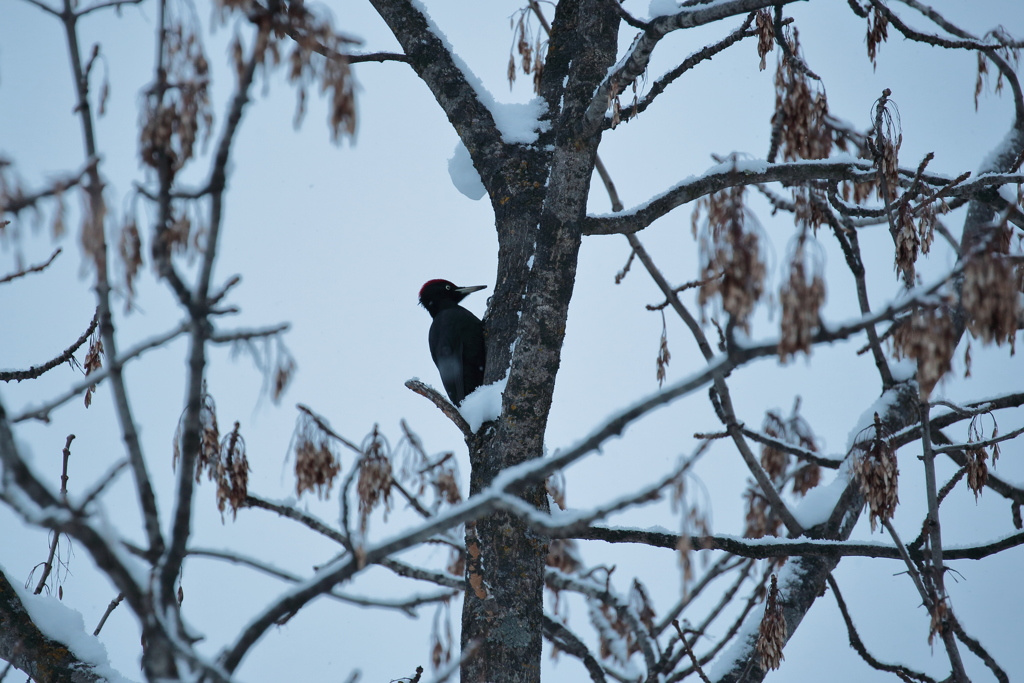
(431, 56)
(635, 61)
(42, 637)
(754, 171)
(773, 546)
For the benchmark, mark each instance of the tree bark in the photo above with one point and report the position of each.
(539, 211)
(26, 648)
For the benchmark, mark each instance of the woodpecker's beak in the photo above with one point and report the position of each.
(464, 291)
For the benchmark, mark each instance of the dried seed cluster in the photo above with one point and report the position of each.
(977, 456)
(878, 33)
(694, 521)
(529, 45)
(802, 297)
(129, 248)
(760, 520)
(929, 337)
(93, 362)
(1008, 54)
(316, 463)
(664, 356)
(177, 111)
(618, 640)
(420, 472)
(375, 480)
(232, 473)
(991, 290)
(442, 640)
(802, 476)
(765, 35)
(223, 460)
(733, 266)
(313, 34)
(876, 469)
(563, 555)
(771, 635)
(800, 110)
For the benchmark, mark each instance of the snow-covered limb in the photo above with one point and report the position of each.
(965, 412)
(42, 637)
(810, 456)
(398, 567)
(690, 62)
(772, 546)
(407, 606)
(508, 481)
(635, 62)
(428, 53)
(755, 171)
(981, 444)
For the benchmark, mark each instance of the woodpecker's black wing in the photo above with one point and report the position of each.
(457, 347)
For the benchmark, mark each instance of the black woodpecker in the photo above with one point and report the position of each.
(456, 338)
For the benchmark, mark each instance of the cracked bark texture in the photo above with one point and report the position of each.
(27, 649)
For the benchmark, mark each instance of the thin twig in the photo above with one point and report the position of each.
(32, 269)
(689, 652)
(935, 541)
(449, 410)
(68, 355)
(858, 645)
(105, 5)
(110, 608)
(43, 412)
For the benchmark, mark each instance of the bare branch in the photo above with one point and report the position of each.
(32, 269)
(567, 641)
(68, 355)
(803, 453)
(248, 334)
(704, 54)
(42, 413)
(43, 6)
(857, 644)
(449, 410)
(107, 4)
(48, 565)
(781, 547)
(377, 57)
(407, 606)
(974, 646)
(980, 444)
(171, 559)
(106, 614)
(635, 62)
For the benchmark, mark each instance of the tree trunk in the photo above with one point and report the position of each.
(538, 210)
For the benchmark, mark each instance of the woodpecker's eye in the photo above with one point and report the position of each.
(447, 286)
